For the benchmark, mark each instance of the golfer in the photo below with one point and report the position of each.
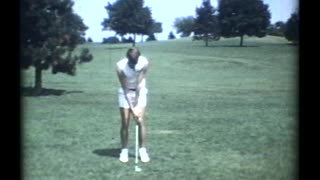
(132, 99)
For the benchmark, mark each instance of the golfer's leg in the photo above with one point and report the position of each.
(125, 117)
(142, 103)
(142, 138)
(142, 129)
(124, 154)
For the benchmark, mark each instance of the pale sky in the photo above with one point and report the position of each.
(165, 11)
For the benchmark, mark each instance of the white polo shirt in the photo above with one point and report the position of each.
(132, 75)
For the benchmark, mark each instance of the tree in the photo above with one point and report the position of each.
(85, 56)
(184, 25)
(243, 17)
(156, 28)
(276, 29)
(206, 25)
(128, 17)
(292, 28)
(49, 33)
(280, 26)
(82, 40)
(171, 35)
(110, 40)
(125, 40)
(151, 37)
(90, 40)
(147, 21)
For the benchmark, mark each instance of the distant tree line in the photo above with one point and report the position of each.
(276, 29)
(289, 29)
(235, 18)
(115, 40)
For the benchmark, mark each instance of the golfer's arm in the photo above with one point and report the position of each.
(123, 81)
(141, 76)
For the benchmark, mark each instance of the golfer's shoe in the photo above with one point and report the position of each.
(144, 155)
(124, 156)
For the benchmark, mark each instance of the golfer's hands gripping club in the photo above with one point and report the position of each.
(136, 111)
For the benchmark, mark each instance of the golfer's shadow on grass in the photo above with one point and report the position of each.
(111, 152)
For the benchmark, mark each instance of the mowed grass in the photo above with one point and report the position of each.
(220, 112)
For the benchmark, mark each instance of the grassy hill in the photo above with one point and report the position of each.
(217, 112)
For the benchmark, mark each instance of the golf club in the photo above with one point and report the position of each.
(136, 168)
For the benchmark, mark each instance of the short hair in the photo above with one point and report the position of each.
(133, 49)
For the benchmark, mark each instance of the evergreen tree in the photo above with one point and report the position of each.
(171, 35)
(206, 25)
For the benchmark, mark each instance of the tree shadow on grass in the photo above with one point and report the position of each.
(116, 48)
(30, 91)
(230, 46)
(235, 46)
(111, 152)
(292, 44)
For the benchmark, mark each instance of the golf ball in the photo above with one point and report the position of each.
(137, 169)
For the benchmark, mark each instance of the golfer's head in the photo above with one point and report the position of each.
(133, 56)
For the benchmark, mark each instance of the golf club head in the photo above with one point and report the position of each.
(137, 169)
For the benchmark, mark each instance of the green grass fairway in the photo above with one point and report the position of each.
(221, 112)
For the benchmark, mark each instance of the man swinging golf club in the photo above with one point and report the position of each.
(132, 98)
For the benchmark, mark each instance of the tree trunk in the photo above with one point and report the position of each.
(241, 40)
(134, 40)
(206, 39)
(38, 80)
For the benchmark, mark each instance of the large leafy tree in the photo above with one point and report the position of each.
(147, 22)
(243, 17)
(206, 25)
(128, 17)
(184, 25)
(49, 33)
(155, 28)
(292, 28)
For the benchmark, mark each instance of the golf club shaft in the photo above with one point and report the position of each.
(137, 143)
(137, 134)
